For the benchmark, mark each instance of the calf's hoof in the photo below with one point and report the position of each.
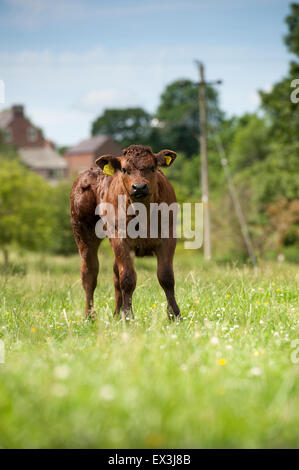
(172, 315)
(90, 315)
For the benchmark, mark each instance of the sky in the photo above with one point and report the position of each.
(67, 61)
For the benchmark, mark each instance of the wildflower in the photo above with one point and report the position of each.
(62, 371)
(107, 393)
(278, 289)
(197, 301)
(214, 340)
(154, 305)
(33, 330)
(255, 371)
(227, 295)
(222, 361)
(58, 326)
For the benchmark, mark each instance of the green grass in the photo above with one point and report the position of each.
(222, 378)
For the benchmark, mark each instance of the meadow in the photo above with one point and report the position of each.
(225, 377)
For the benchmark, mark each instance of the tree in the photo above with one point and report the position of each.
(280, 110)
(178, 115)
(292, 38)
(25, 212)
(63, 240)
(250, 142)
(125, 126)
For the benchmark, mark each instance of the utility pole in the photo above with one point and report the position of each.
(204, 162)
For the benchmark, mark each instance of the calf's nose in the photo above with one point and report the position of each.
(139, 187)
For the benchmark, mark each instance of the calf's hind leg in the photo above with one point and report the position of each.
(89, 273)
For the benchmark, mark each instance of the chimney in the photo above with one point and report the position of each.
(18, 110)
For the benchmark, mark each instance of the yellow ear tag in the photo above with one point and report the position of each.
(108, 170)
(168, 159)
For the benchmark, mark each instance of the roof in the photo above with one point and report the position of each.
(5, 118)
(89, 145)
(42, 158)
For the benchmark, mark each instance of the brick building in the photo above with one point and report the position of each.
(36, 152)
(82, 156)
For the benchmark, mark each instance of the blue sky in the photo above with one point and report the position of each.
(69, 60)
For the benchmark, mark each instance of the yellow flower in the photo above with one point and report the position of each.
(154, 305)
(105, 331)
(266, 303)
(222, 361)
(278, 289)
(197, 301)
(219, 280)
(227, 295)
(58, 326)
(258, 302)
(33, 330)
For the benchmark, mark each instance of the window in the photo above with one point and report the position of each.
(32, 134)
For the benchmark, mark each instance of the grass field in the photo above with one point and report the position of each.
(224, 377)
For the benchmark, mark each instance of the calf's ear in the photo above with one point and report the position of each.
(109, 164)
(165, 157)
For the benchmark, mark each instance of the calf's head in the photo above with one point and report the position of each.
(137, 169)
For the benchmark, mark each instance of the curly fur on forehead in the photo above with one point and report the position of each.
(140, 156)
(134, 151)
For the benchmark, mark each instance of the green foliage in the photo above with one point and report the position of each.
(25, 211)
(125, 126)
(292, 38)
(281, 112)
(178, 113)
(63, 238)
(250, 142)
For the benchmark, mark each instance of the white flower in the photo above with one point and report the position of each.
(214, 340)
(255, 371)
(61, 372)
(107, 392)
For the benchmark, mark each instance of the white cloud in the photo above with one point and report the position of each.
(65, 91)
(96, 100)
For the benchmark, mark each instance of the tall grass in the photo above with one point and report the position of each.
(224, 377)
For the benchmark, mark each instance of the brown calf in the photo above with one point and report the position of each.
(136, 176)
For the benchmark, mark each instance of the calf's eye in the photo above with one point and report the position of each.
(124, 170)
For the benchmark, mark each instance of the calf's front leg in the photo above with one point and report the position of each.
(125, 281)
(89, 274)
